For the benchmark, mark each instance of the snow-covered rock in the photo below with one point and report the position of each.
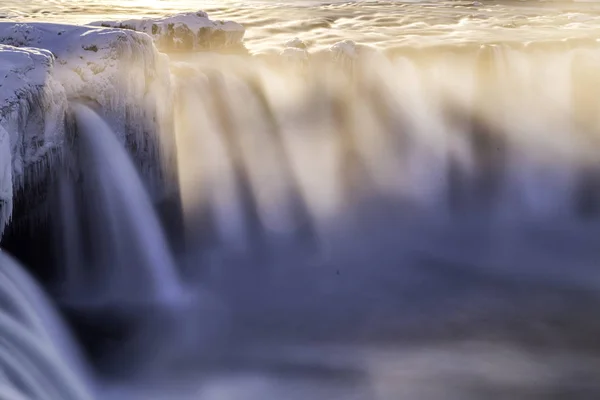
(32, 114)
(118, 72)
(6, 183)
(295, 53)
(296, 43)
(192, 31)
(348, 54)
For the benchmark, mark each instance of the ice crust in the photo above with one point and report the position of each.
(192, 31)
(43, 66)
(32, 109)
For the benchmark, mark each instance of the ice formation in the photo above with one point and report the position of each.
(185, 32)
(117, 71)
(346, 53)
(296, 43)
(31, 120)
(6, 190)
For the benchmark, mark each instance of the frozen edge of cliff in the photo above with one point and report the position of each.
(32, 108)
(344, 55)
(193, 31)
(120, 73)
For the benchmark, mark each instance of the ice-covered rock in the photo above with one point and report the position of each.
(348, 53)
(118, 72)
(295, 53)
(192, 31)
(296, 43)
(32, 114)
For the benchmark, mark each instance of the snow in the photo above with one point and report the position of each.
(347, 54)
(32, 111)
(192, 31)
(118, 72)
(295, 53)
(33, 105)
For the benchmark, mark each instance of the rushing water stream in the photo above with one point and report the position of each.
(416, 220)
(128, 258)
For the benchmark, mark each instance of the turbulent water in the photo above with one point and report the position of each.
(417, 222)
(384, 24)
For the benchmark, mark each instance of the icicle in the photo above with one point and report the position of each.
(6, 182)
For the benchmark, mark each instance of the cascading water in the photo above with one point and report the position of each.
(376, 211)
(37, 357)
(431, 181)
(117, 267)
(493, 142)
(129, 259)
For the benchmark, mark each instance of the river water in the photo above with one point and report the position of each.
(382, 24)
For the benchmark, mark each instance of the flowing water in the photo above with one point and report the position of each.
(421, 221)
(369, 226)
(128, 256)
(384, 24)
(38, 358)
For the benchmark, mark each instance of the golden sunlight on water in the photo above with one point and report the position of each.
(382, 24)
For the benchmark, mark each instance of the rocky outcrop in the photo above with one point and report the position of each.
(185, 32)
(118, 72)
(32, 112)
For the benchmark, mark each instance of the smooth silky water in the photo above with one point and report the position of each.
(418, 223)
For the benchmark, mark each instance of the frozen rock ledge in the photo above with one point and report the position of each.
(43, 66)
(185, 32)
(32, 112)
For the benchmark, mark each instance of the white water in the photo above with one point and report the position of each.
(37, 356)
(383, 24)
(417, 124)
(129, 257)
(431, 201)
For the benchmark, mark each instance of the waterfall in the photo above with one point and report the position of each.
(495, 131)
(416, 198)
(127, 257)
(478, 158)
(38, 359)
